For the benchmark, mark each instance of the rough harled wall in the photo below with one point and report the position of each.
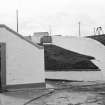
(24, 61)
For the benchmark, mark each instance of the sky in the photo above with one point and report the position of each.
(60, 17)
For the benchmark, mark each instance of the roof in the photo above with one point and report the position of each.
(100, 38)
(41, 34)
(20, 36)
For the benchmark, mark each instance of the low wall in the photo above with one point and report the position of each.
(75, 75)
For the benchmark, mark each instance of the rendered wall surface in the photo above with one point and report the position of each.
(76, 75)
(24, 62)
(85, 46)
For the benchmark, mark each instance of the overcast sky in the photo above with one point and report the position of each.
(59, 16)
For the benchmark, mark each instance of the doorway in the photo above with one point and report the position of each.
(2, 66)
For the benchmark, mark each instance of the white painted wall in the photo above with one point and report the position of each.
(24, 62)
(85, 46)
(76, 75)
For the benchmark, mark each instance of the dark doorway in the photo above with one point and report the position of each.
(2, 66)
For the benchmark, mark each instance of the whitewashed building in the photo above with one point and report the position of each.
(82, 45)
(22, 61)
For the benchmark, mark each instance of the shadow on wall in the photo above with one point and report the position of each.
(60, 59)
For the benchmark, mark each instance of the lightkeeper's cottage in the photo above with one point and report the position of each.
(22, 61)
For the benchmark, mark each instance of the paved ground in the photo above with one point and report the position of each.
(20, 97)
(65, 97)
(66, 93)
